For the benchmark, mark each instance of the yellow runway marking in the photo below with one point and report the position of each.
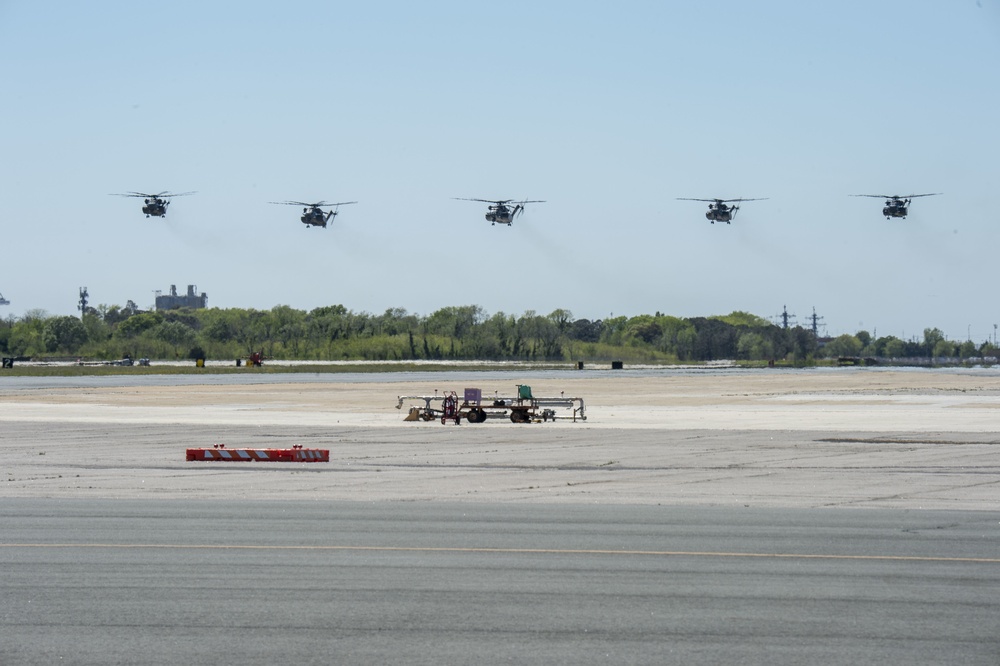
(510, 551)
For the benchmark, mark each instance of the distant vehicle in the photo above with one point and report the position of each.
(503, 211)
(313, 214)
(155, 204)
(896, 206)
(718, 211)
(255, 359)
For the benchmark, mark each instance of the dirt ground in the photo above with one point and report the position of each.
(817, 438)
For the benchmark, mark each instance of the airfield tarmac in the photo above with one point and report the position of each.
(914, 439)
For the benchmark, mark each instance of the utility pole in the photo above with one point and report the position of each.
(786, 319)
(82, 307)
(815, 319)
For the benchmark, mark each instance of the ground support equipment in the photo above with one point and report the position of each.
(524, 408)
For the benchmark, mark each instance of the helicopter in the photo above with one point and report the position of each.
(155, 204)
(896, 206)
(501, 211)
(718, 211)
(313, 214)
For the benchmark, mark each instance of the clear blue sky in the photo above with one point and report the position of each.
(608, 111)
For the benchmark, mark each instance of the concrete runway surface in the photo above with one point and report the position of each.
(722, 487)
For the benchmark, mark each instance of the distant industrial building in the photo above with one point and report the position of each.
(173, 301)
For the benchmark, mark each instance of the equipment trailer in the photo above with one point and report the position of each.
(525, 408)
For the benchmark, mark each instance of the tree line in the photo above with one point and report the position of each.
(462, 332)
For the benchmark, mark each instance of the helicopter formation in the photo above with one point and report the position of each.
(503, 211)
(313, 215)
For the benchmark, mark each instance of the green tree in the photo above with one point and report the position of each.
(455, 322)
(561, 318)
(643, 327)
(287, 327)
(744, 319)
(585, 330)
(64, 334)
(944, 349)
(179, 336)
(138, 324)
(932, 336)
(613, 330)
(755, 346)
(801, 344)
(891, 347)
(25, 337)
(98, 331)
(715, 339)
(845, 345)
(968, 349)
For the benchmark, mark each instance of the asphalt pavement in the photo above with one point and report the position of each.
(98, 581)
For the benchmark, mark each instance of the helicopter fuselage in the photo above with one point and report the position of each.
(720, 213)
(315, 217)
(155, 207)
(500, 214)
(894, 209)
(503, 214)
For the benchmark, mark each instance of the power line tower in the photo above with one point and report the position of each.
(786, 319)
(82, 307)
(814, 323)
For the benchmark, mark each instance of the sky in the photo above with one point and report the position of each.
(609, 112)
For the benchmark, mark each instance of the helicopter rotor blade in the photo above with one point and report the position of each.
(721, 200)
(489, 201)
(141, 195)
(161, 195)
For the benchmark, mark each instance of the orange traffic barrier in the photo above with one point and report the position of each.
(294, 454)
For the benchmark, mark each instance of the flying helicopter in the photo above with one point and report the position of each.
(313, 214)
(718, 211)
(896, 206)
(155, 204)
(503, 211)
